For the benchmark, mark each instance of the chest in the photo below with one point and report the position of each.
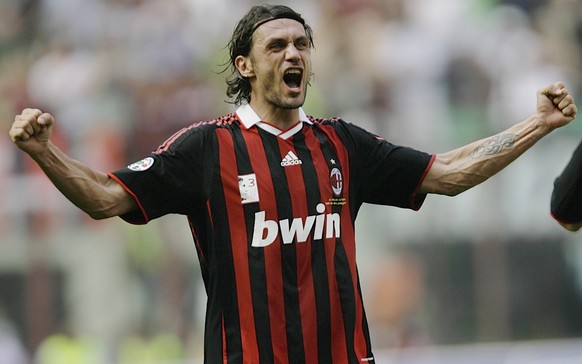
(284, 177)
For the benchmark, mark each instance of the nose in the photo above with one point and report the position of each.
(292, 53)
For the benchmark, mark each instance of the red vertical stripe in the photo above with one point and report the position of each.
(276, 302)
(235, 212)
(272, 253)
(338, 340)
(224, 353)
(348, 235)
(303, 251)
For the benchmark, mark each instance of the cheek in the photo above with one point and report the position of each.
(269, 78)
(263, 71)
(307, 66)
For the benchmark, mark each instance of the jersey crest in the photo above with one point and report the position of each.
(142, 165)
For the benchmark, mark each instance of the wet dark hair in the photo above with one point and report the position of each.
(239, 87)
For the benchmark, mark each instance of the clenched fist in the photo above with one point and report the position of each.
(555, 105)
(31, 130)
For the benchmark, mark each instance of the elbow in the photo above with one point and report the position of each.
(454, 191)
(107, 208)
(440, 187)
(98, 215)
(442, 179)
(565, 214)
(450, 189)
(101, 212)
(571, 227)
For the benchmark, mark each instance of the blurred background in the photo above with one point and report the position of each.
(485, 277)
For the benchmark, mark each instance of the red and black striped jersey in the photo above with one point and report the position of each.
(272, 214)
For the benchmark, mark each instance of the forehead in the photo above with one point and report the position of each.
(278, 28)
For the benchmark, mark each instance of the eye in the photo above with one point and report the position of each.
(276, 46)
(302, 44)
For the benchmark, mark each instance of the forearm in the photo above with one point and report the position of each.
(91, 191)
(463, 168)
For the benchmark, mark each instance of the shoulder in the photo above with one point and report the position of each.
(334, 122)
(198, 131)
(324, 121)
(221, 121)
(225, 121)
(345, 129)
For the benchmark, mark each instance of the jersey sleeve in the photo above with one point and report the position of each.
(169, 181)
(388, 174)
(566, 200)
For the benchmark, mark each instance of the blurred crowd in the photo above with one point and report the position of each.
(122, 75)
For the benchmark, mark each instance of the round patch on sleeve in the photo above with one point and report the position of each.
(142, 165)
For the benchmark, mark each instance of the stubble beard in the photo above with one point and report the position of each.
(287, 102)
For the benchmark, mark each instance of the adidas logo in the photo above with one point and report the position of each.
(290, 160)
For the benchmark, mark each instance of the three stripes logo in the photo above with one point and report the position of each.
(291, 159)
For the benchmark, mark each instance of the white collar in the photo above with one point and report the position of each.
(249, 118)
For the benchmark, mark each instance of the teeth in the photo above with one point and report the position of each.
(293, 72)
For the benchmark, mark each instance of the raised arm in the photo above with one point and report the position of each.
(460, 169)
(92, 191)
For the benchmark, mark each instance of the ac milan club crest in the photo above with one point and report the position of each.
(336, 181)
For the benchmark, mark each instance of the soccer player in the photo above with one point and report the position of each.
(566, 202)
(271, 196)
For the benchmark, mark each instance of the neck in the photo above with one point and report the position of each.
(276, 116)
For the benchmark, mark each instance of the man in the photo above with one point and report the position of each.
(272, 195)
(566, 202)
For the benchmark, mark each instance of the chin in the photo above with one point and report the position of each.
(292, 105)
(295, 102)
(290, 102)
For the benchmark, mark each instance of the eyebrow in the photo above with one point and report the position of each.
(269, 41)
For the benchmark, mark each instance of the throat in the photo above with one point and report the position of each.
(280, 117)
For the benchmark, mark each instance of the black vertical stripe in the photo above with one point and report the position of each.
(342, 266)
(256, 256)
(346, 293)
(365, 327)
(318, 257)
(222, 300)
(295, 347)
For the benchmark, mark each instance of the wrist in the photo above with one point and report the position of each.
(541, 123)
(43, 155)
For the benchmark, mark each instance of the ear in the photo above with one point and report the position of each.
(244, 66)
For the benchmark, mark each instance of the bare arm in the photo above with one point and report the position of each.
(460, 169)
(92, 191)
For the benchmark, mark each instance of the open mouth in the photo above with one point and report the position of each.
(293, 77)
